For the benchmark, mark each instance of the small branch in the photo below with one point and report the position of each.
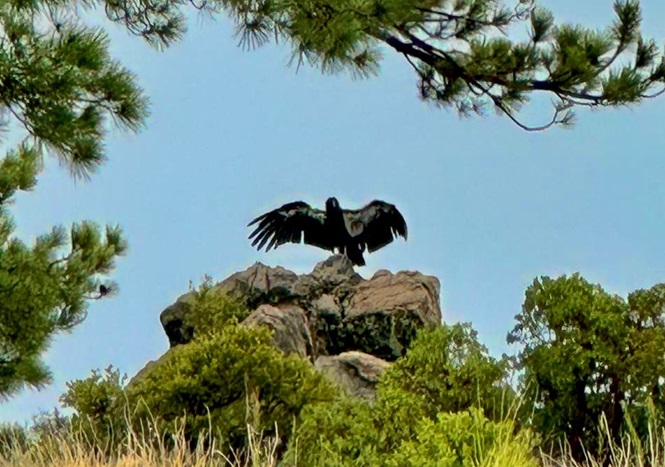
(549, 86)
(509, 114)
(64, 259)
(456, 18)
(655, 94)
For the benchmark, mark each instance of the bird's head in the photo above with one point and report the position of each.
(332, 203)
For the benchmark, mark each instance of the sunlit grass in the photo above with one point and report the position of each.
(65, 447)
(630, 451)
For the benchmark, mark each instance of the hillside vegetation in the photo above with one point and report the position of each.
(585, 389)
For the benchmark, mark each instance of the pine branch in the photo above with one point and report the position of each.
(452, 46)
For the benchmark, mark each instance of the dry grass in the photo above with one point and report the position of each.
(630, 452)
(62, 448)
(70, 450)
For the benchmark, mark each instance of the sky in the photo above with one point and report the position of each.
(233, 134)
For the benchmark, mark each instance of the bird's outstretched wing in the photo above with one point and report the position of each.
(376, 224)
(292, 222)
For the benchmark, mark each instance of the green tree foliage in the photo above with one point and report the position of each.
(448, 370)
(44, 289)
(587, 353)
(211, 381)
(459, 50)
(223, 379)
(211, 310)
(101, 405)
(424, 396)
(59, 86)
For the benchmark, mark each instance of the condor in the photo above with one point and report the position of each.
(350, 232)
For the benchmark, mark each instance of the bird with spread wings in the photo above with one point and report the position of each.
(350, 232)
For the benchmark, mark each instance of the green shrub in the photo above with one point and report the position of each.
(336, 434)
(100, 404)
(212, 379)
(445, 371)
(350, 432)
(448, 370)
(227, 376)
(465, 439)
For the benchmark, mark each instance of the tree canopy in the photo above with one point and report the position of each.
(586, 354)
(461, 50)
(58, 88)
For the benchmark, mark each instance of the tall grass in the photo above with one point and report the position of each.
(65, 447)
(68, 448)
(630, 451)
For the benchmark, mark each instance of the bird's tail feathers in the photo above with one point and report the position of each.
(355, 255)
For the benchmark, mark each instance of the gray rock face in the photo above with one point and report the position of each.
(175, 323)
(348, 325)
(289, 324)
(356, 372)
(335, 271)
(260, 284)
(384, 313)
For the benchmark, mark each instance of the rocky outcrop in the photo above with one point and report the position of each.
(175, 323)
(383, 314)
(349, 327)
(260, 284)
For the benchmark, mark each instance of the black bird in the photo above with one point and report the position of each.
(350, 232)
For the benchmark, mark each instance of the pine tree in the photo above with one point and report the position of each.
(58, 86)
(459, 49)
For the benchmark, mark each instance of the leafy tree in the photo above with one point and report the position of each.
(459, 49)
(58, 88)
(588, 353)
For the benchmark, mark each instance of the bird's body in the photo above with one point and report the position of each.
(349, 232)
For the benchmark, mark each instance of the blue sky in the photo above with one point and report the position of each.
(233, 134)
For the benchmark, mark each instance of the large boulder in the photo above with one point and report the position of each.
(260, 284)
(175, 322)
(357, 373)
(384, 313)
(289, 324)
(331, 316)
